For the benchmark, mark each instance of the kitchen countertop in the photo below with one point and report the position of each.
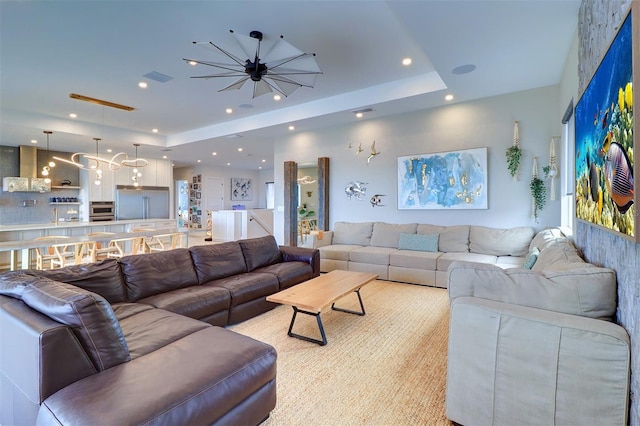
(62, 225)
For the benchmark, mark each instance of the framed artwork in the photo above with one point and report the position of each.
(198, 195)
(199, 178)
(241, 189)
(444, 180)
(604, 133)
(195, 179)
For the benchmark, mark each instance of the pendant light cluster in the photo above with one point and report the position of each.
(46, 169)
(136, 172)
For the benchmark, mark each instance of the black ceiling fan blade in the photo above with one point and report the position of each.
(230, 67)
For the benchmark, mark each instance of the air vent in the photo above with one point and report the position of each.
(158, 76)
(362, 110)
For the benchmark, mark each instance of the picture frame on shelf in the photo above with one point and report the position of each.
(443, 180)
(605, 137)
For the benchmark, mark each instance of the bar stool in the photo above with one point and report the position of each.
(46, 253)
(103, 252)
(120, 246)
(164, 242)
(73, 253)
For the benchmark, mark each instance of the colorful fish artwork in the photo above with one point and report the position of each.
(618, 176)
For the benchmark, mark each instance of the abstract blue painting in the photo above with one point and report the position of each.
(445, 180)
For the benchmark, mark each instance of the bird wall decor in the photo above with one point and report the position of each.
(374, 153)
(376, 200)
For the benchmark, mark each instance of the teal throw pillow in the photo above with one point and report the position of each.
(419, 242)
(531, 259)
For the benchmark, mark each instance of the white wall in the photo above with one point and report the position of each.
(226, 174)
(483, 123)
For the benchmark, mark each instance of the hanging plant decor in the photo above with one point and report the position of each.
(538, 190)
(514, 153)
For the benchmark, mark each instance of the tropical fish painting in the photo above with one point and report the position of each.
(445, 180)
(605, 185)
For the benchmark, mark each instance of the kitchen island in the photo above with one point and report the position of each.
(12, 235)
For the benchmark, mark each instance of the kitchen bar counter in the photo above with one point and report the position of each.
(64, 225)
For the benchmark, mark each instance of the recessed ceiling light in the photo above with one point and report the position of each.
(194, 63)
(154, 130)
(228, 164)
(448, 98)
(214, 153)
(73, 115)
(259, 167)
(277, 97)
(292, 127)
(164, 156)
(199, 161)
(264, 161)
(359, 114)
(228, 110)
(143, 85)
(239, 149)
(463, 69)
(109, 150)
(406, 62)
(34, 141)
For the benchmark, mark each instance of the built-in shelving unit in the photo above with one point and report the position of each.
(66, 187)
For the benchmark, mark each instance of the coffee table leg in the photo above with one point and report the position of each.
(300, 336)
(361, 313)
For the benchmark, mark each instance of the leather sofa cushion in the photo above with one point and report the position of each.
(447, 258)
(248, 287)
(415, 259)
(500, 242)
(373, 255)
(337, 251)
(289, 273)
(259, 252)
(352, 233)
(388, 234)
(196, 302)
(89, 315)
(103, 278)
(197, 380)
(214, 261)
(152, 329)
(451, 238)
(13, 283)
(154, 273)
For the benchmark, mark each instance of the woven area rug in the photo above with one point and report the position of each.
(385, 368)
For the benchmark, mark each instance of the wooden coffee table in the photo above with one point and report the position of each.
(311, 297)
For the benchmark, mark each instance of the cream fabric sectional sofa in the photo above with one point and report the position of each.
(379, 248)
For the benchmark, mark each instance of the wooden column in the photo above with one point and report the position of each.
(290, 203)
(323, 193)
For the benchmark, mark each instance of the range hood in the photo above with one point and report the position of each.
(28, 180)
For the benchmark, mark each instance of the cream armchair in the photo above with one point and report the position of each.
(536, 346)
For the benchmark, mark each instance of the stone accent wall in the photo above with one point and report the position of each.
(598, 23)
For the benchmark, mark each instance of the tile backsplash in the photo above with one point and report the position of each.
(12, 210)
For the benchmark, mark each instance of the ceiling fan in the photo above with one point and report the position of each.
(284, 68)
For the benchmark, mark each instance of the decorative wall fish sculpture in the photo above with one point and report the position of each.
(618, 177)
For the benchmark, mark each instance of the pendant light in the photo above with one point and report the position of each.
(136, 172)
(97, 168)
(46, 170)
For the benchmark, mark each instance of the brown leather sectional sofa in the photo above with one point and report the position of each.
(135, 340)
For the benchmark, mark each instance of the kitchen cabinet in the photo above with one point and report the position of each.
(156, 173)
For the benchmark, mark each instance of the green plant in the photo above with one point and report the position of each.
(514, 154)
(539, 194)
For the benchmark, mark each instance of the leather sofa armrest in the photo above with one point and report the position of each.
(507, 363)
(302, 254)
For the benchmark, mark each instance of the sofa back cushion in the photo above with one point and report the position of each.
(153, 273)
(358, 234)
(388, 234)
(419, 242)
(103, 278)
(259, 252)
(88, 314)
(450, 239)
(216, 261)
(500, 242)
